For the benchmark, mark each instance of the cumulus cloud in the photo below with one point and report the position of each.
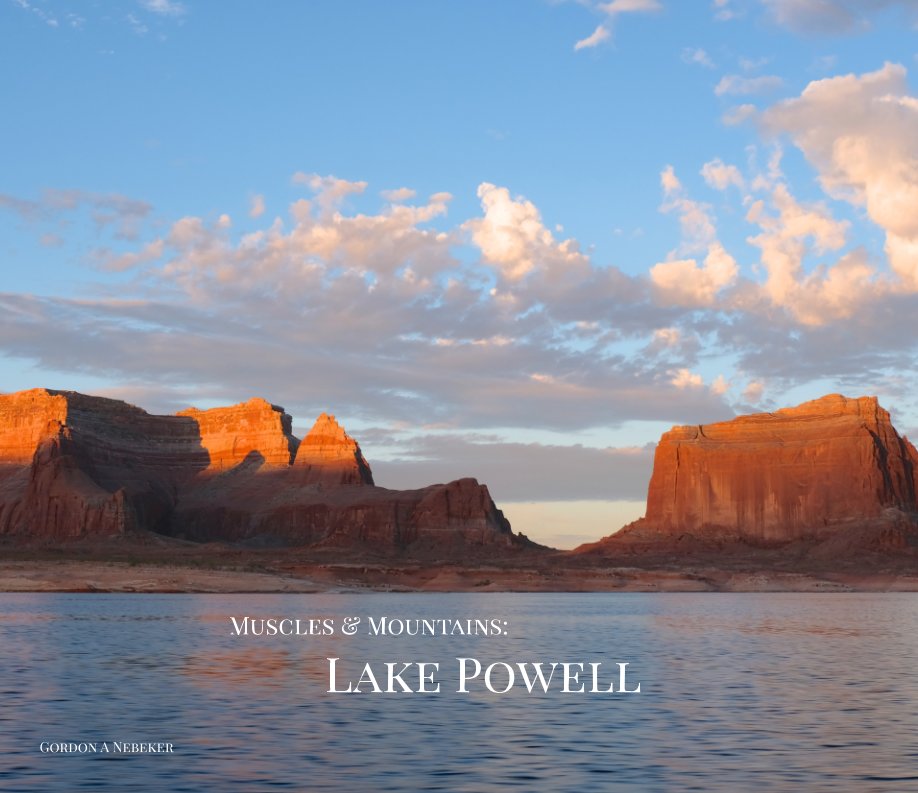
(330, 190)
(375, 315)
(861, 134)
(512, 237)
(494, 321)
(684, 378)
(809, 277)
(681, 281)
(720, 176)
(786, 238)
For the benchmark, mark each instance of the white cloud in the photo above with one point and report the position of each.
(861, 134)
(720, 175)
(697, 56)
(697, 225)
(612, 10)
(682, 282)
(737, 85)
(720, 385)
(512, 237)
(829, 292)
(372, 313)
(257, 206)
(739, 114)
(630, 6)
(151, 252)
(330, 190)
(399, 195)
(597, 37)
(668, 337)
(685, 378)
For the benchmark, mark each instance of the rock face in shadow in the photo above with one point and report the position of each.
(75, 466)
(830, 468)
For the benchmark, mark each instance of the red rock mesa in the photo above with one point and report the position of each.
(806, 472)
(75, 466)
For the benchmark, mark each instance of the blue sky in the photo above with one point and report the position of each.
(515, 239)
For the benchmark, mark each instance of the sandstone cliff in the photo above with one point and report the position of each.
(328, 455)
(253, 429)
(75, 466)
(808, 472)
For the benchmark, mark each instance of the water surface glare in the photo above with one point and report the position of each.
(772, 692)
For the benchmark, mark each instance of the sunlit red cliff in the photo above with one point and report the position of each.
(830, 469)
(75, 466)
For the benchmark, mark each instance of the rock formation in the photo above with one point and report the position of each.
(230, 435)
(328, 455)
(806, 472)
(75, 466)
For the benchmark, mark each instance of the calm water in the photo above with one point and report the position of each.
(739, 692)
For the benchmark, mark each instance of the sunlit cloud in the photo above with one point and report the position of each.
(861, 134)
(256, 206)
(611, 10)
(737, 85)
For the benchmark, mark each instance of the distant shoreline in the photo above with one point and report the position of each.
(101, 576)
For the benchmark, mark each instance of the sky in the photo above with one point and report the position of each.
(513, 240)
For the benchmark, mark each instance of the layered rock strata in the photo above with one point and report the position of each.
(799, 473)
(74, 466)
(328, 455)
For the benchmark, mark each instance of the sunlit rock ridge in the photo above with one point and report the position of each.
(81, 467)
(816, 471)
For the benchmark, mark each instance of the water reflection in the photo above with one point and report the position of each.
(780, 692)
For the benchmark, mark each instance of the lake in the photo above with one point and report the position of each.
(783, 692)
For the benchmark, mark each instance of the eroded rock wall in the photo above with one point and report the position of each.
(784, 475)
(74, 466)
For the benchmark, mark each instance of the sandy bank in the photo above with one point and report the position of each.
(100, 576)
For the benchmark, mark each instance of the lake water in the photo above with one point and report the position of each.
(768, 692)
